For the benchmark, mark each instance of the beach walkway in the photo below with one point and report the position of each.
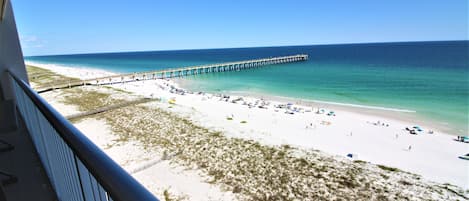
(175, 72)
(109, 107)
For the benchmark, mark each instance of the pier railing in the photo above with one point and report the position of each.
(176, 72)
(77, 168)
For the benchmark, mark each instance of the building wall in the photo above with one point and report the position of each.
(11, 57)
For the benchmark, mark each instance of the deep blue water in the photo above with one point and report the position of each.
(430, 78)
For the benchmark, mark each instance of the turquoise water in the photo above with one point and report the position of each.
(430, 78)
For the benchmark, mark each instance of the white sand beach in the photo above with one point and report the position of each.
(141, 163)
(374, 138)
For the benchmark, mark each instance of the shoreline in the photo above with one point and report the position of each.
(333, 138)
(398, 114)
(181, 82)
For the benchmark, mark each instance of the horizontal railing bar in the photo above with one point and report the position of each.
(114, 179)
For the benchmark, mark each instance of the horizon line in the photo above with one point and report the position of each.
(242, 47)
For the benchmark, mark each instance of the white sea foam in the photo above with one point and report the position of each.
(366, 106)
(247, 93)
(82, 72)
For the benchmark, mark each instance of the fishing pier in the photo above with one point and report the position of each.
(177, 72)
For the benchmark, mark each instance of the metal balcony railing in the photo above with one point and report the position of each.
(77, 168)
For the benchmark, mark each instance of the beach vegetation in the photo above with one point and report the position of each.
(237, 189)
(165, 155)
(118, 90)
(246, 167)
(384, 176)
(286, 146)
(404, 182)
(243, 122)
(88, 100)
(46, 78)
(167, 196)
(387, 168)
(382, 198)
(360, 161)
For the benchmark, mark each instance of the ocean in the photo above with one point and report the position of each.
(428, 79)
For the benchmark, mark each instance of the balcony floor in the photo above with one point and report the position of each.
(24, 163)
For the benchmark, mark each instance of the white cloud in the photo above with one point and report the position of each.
(28, 38)
(31, 41)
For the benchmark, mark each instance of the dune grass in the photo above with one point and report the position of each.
(390, 169)
(45, 78)
(87, 99)
(253, 170)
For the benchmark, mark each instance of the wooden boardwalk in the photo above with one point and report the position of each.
(177, 72)
(109, 107)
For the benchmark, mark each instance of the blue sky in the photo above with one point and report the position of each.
(86, 26)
